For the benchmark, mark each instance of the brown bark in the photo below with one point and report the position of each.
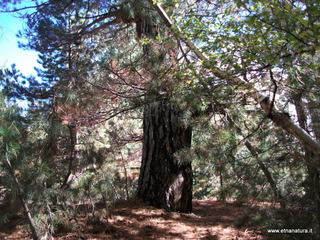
(165, 180)
(73, 131)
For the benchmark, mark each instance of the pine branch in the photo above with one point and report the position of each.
(280, 119)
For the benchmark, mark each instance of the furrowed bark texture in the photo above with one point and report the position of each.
(165, 179)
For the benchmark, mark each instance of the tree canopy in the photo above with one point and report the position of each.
(123, 80)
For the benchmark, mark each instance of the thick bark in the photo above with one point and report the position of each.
(165, 179)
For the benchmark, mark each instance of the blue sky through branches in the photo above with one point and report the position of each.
(10, 53)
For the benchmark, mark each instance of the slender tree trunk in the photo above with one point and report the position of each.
(24, 203)
(277, 194)
(127, 182)
(73, 130)
(314, 111)
(313, 179)
(165, 179)
(254, 152)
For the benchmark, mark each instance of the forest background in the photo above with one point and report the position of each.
(163, 100)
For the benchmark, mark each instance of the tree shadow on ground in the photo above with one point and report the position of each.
(134, 220)
(209, 220)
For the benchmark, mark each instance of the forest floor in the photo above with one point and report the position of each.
(134, 220)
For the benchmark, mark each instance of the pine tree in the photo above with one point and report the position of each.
(13, 155)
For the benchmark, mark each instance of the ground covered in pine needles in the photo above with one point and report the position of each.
(134, 220)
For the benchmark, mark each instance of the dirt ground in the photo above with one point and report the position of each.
(133, 220)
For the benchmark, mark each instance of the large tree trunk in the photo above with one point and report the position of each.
(165, 179)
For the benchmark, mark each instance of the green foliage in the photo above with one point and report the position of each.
(93, 72)
(4, 217)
